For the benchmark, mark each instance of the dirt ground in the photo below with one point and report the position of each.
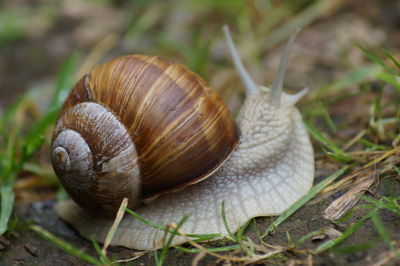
(27, 248)
(320, 48)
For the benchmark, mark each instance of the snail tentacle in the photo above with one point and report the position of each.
(294, 98)
(276, 90)
(249, 84)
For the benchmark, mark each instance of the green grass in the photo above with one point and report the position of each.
(332, 149)
(388, 203)
(65, 246)
(258, 25)
(16, 23)
(7, 203)
(20, 143)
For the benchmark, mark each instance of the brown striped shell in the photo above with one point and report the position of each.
(138, 126)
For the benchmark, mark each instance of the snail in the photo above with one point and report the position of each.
(262, 174)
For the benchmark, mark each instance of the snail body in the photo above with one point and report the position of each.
(271, 168)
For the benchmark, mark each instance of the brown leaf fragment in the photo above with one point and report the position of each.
(328, 233)
(341, 205)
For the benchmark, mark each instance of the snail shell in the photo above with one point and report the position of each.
(136, 127)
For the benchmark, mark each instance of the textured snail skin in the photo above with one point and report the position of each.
(272, 168)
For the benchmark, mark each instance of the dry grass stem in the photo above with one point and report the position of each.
(328, 233)
(360, 180)
(341, 205)
(353, 178)
(198, 258)
(354, 139)
(114, 227)
(134, 257)
(245, 260)
(345, 182)
(382, 157)
(309, 260)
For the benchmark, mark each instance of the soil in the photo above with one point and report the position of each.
(25, 247)
(325, 43)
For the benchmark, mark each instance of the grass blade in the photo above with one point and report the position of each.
(7, 202)
(381, 230)
(303, 200)
(337, 152)
(114, 227)
(102, 257)
(159, 260)
(241, 230)
(35, 137)
(203, 237)
(231, 235)
(64, 246)
(355, 77)
(391, 58)
(64, 81)
(374, 58)
(217, 249)
(333, 242)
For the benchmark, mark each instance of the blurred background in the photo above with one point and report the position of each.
(36, 37)
(345, 53)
